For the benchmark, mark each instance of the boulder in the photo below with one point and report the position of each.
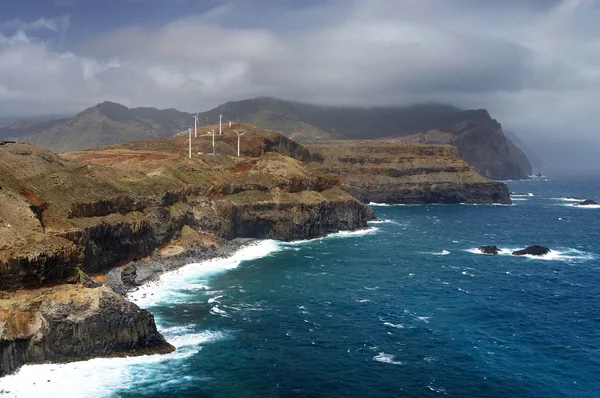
(587, 202)
(129, 274)
(490, 249)
(534, 250)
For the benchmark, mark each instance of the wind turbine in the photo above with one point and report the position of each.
(190, 143)
(195, 125)
(213, 141)
(220, 118)
(239, 135)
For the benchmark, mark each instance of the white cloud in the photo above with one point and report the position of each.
(537, 69)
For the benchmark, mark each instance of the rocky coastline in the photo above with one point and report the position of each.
(71, 231)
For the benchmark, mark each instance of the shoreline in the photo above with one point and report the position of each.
(150, 270)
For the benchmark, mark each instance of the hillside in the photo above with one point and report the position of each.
(104, 124)
(478, 137)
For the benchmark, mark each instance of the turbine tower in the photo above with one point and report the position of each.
(239, 135)
(190, 143)
(213, 141)
(195, 125)
(220, 119)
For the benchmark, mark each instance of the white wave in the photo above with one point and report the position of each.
(554, 255)
(214, 299)
(341, 234)
(363, 301)
(377, 204)
(521, 195)
(570, 199)
(397, 326)
(386, 358)
(442, 253)
(217, 311)
(168, 285)
(381, 222)
(103, 377)
(577, 205)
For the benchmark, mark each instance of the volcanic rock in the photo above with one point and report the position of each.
(534, 250)
(490, 249)
(587, 202)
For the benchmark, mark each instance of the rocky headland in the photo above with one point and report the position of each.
(67, 220)
(381, 172)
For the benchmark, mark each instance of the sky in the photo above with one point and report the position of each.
(534, 64)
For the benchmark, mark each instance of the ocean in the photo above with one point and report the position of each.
(406, 308)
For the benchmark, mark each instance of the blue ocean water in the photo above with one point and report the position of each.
(408, 308)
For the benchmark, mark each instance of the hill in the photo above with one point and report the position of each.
(478, 137)
(104, 124)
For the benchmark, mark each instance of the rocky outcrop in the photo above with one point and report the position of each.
(380, 172)
(534, 250)
(587, 202)
(71, 322)
(489, 249)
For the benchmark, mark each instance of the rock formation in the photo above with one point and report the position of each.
(381, 172)
(587, 202)
(534, 250)
(490, 249)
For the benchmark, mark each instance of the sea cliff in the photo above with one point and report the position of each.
(382, 172)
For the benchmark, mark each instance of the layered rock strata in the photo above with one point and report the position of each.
(381, 172)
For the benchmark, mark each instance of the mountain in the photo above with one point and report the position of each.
(104, 124)
(478, 137)
(481, 142)
(530, 153)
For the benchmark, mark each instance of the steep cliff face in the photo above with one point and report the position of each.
(380, 172)
(71, 322)
(481, 143)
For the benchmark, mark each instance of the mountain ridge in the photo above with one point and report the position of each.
(477, 135)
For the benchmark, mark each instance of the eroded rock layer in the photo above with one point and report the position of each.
(382, 172)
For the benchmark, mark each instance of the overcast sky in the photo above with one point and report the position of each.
(534, 64)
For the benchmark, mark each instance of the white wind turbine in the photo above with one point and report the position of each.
(190, 143)
(239, 135)
(195, 125)
(220, 119)
(213, 141)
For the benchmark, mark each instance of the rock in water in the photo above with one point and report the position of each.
(490, 249)
(534, 250)
(587, 202)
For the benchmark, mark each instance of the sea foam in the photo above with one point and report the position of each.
(567, 255)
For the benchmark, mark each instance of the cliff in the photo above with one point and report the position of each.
(481, 143)
(63, 217)
(381, 172)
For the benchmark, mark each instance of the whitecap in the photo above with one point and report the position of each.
(341, 234)
(217, 311)
(577, 205)
(386, 358)
(396, 326)
(380, 222)
(214, 299)
(554, 255)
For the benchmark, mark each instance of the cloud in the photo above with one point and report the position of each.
(41, 24)
(534, 64)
